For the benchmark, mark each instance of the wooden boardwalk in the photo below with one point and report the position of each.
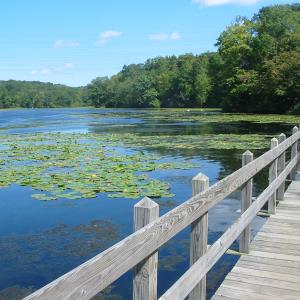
(272, 268)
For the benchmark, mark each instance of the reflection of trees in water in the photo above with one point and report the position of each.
(48, 254)
(15, 292)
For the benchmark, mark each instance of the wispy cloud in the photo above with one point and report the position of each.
(45, 71)
(48, 71)
(69, 65)
(105, 36)
(65, 44)
(174, 36)
(224, 2)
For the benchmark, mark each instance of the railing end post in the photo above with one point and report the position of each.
(246, 201)
(199, 236)
(200, 182)
(272, 177)
(280, 168)
(145, 273)
(295, 129)
(281, 137)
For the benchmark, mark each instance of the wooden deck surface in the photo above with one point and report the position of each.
(272, 268)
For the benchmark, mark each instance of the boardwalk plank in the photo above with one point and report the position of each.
(272, 268)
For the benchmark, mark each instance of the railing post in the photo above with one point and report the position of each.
(145, 273)
(280, 168)
(246, 201)
(294, 153)
(272, 177)
(199, 237)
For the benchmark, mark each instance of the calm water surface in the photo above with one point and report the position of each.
(41, 240)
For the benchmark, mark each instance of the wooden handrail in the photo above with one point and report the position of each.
(93, 276)
(195, 273)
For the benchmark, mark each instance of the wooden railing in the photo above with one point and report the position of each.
(139, 250)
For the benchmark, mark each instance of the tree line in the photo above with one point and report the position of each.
(256, 68)
(31, 94)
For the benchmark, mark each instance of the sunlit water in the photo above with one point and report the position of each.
(41, 240)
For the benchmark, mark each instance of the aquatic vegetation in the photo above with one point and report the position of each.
(195, 115)
(78, 166)
(200, 142)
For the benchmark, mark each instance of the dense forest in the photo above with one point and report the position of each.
(38, 94)
(256, 69)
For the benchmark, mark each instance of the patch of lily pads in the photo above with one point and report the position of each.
(195, 116)
(83, 165)
(76, 166)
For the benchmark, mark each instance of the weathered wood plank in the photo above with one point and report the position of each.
(145, 272)
(294, 151)
(261, 266)
(246, 201)
(217, 297)
(272, 177)
(280, 168)
(278, 244)
(257, 289)
(293, 258)
(251, 292)
(278, 236)
(283, 262)
(191, 277)
(265, 281)
(199, 237)
(240, 270)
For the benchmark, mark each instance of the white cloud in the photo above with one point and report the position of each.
(47, 71)
(105, 36)
(224, 2)
(159, 37)
(174, 36)
(65, 44)
(69, 65)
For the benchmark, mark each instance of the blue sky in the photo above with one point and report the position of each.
(74, 41)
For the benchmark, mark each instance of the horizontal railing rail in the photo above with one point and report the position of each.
(93, 276)
(198, 270)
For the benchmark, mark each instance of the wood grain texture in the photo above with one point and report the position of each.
(199, 237)
(272, 177)
(280, 167)
(294, 151)
(246, 201)
(145, 272)
(94, 275)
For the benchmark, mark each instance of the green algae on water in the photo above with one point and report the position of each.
(76, 166)
(83, 165)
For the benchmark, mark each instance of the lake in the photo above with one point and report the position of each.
(55, 211)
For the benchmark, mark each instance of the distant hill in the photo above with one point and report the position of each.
(29, 94)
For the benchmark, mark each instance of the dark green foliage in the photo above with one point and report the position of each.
(261, 58)
(38, 94)
(160, 82)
